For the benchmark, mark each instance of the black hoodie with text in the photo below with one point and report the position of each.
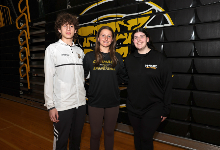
(149, 84)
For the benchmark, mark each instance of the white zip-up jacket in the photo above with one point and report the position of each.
(64, 76)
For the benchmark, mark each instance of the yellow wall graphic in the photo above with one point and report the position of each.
(116, 21)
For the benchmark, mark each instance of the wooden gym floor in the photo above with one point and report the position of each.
(24, 127)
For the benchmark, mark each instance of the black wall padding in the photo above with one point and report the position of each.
(157, 20)
(178, 128)
(10, 91)
(107, 11)
(207, 65)
(81, 2)
(128, 9)
(207, 83)
(54, 5)
(208, 1)
(182, 81)
(159, 47)
(10, 42)
(181, 65)
(49, 27)
(11, 49)
(179, 49)
(10, 70)
(208, 31)
(209, 13)
(182, 17)
(9, 28)
(9, 35)
(10, 63)
(178, 4)
(50, 18)
(88, 18)
(12, 85)
(181, 97)
(206, 116)
(158, 2)
(156, 35)
(205, 134)
(37, 62)
(182, 33)
(37, 71)
(51, 37)
(180, 112)
(208, 48)
(206, 99)
(10, 77)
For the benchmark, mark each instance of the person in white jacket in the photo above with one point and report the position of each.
(64, 90)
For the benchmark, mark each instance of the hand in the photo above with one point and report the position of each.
(163, 118)
(53, 114)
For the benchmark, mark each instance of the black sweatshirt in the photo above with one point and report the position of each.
(103, 83)
(149, 85)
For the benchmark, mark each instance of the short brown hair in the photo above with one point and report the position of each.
(63, 18)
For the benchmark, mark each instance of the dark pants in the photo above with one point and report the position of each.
(70, 126)
(96, 118)
(144, 129)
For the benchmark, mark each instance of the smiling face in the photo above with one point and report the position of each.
(140, 41)
(105, 38)
(67, 31)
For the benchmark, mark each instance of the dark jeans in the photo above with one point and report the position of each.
(70, 126)
(144, 129)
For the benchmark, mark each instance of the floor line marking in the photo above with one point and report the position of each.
(27, 130)
(11, 145)
(5, 128)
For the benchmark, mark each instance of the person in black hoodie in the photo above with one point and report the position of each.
(149, 88)
(105, 68)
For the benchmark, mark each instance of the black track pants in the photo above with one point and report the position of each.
(144, 129)
(96, 118)
(70, 126)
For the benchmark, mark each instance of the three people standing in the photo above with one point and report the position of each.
(149, 86)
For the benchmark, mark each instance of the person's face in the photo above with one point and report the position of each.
(140, 40)
(67, 31)
(105, 38)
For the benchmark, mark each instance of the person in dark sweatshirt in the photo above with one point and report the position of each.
(105, 68)
(149, 88)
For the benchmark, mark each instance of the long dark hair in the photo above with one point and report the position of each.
(149, 43)
(98, 54)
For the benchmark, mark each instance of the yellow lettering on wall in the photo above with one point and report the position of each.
(87, 41)
(123, 51)
(87, 31)
(126, 36)
(87, 50)
(142, 21)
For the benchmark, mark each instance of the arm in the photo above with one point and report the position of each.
(49, 70)
(166, 77)
(86, 66)
(123, 76)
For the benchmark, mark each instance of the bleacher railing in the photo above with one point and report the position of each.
(24, 41)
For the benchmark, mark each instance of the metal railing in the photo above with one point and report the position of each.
(27, 37)
(5, 16)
